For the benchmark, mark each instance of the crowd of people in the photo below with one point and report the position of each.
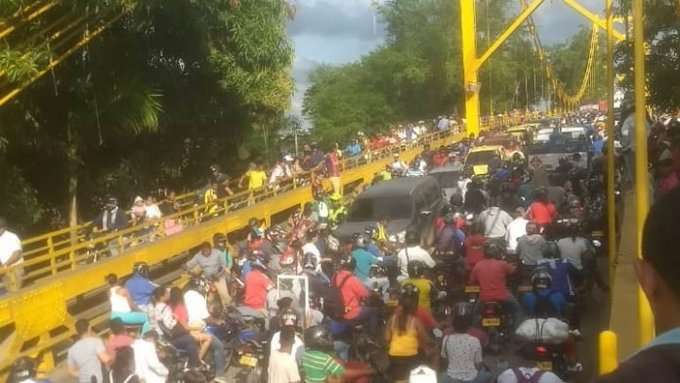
(521, 235)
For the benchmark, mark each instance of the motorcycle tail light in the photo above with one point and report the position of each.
(541, 351)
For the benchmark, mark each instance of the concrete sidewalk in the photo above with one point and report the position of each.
(624, 307)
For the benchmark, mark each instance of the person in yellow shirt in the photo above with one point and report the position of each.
(256, 177)
(406, 336)
(416, 277)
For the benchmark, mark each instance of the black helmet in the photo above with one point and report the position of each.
(198, 284)
(289, 317)
(370, 231)
(551, 250)
(22, 369)
(492, 249)
(416, 269)
(541, 280)
(359, 240)
(309, 261)
(318, 338)
(348, 262)
(409, 290)
(412, 237)
(141, 268)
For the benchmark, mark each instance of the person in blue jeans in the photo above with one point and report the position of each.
(543, 301)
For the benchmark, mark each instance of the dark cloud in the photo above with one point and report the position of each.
(331, 18)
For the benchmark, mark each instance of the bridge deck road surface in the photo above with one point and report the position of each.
(595, 318)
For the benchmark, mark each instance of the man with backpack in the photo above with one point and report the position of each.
(527, 375)
(343, 300)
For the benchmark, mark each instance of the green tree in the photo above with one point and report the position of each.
(167, 90)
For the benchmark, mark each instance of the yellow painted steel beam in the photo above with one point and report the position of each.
(13, 93)
(519, 20)
(602, 24)
(5, 32)
(641, 160)
(470, 70)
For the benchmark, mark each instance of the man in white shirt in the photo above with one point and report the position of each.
(10, 257)
(278, 173)
(196, 304)
(512, 375)
(147, 365)
(412, 252)
(495, 222)
(516, 229)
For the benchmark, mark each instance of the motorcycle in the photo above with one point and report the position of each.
(548, 357)
(495, 323)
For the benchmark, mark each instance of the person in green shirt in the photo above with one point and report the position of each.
(320, 366)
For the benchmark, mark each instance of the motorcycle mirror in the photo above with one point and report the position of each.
(425, 213)
(597, 243)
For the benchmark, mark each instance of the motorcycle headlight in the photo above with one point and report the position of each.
(597, 243)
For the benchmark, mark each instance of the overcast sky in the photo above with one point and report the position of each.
(341, 31)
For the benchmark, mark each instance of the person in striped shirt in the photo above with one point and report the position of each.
(319, 366)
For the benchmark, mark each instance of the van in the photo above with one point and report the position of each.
(407, 203)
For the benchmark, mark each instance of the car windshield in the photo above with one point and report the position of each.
(371, 209)
(481, 158)
(447, 180)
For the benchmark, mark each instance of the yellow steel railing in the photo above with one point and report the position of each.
(65, 284)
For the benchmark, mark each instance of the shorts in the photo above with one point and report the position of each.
(401, 366)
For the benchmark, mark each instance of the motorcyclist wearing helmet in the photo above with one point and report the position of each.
(319, 362)
(140, 287)
(211, 263)
(406, 335)
(491, 275)
(461, 351)
(450, 237)
(378, 281)
(23, 371)
(363, 258)
(354, 292)
(257, 284)
(542, 211)
(416, 273)
(475, 197)
(370, 236)
(412, 252)
(288, 324)
(543, 301)
(309, 247)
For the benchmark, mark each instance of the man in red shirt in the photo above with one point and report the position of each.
(542, 211)
(257, 284)
(491, 274)
(353, 293)
(440, 158)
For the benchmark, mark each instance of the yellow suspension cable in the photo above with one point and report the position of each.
(53, 63)
(5, 32)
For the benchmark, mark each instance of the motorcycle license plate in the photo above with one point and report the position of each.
(545, 366)
(248, 360)
(472, 289)
(524, 289)
(491, 322)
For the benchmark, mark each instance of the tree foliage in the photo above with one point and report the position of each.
(168, 89)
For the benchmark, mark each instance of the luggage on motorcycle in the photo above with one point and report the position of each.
(422, 374)
(528, 376)
(550, 330)
(333, 304)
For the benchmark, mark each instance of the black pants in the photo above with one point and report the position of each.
(187, 344)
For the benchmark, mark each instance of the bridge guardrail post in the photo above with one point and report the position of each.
(50, 251)
(608, 352)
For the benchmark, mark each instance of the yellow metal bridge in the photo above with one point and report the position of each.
(63, 282)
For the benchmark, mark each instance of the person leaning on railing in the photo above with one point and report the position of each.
(10, 258)
(657, 274)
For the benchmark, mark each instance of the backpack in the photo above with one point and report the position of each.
(333, 304)
(535, 378)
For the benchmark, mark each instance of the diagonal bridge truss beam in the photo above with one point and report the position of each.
(472, 62)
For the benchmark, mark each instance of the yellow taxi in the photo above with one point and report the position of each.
(482, 159)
